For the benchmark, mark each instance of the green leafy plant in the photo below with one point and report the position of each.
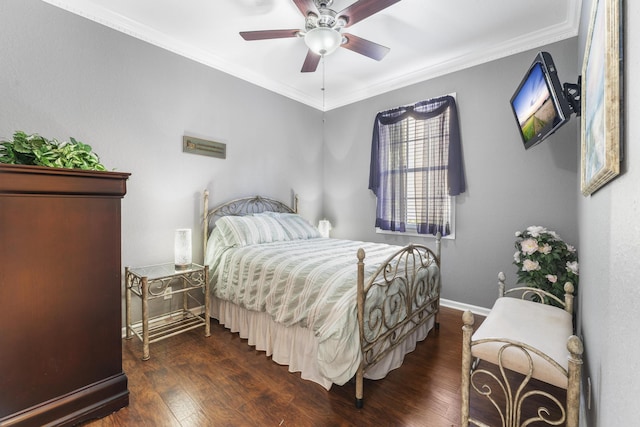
(36, 150)
(545, 261)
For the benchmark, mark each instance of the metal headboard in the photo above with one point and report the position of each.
(240, 207)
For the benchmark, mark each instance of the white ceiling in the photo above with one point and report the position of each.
(427, 38)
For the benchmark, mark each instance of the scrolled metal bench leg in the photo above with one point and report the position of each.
(575, 347)
(467, 331)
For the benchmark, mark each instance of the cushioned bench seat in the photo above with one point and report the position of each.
(543, 327)
(528, 337)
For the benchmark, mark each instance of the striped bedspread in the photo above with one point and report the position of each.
(309, 283)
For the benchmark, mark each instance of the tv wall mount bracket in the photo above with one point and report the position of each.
(573, 95)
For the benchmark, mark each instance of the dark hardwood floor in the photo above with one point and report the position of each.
(191, 380)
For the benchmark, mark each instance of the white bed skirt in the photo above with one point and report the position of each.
(296, 347)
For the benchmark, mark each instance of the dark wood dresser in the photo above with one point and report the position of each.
(60, 295)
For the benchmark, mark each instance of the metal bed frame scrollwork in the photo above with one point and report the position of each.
(392, 304)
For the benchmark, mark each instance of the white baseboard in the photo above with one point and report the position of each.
(464, 307)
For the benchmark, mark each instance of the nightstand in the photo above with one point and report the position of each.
(162, 282)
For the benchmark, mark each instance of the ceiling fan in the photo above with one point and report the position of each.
(323, 30)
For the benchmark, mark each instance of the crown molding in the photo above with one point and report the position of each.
(564, 30)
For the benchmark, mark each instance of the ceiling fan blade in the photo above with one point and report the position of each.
(365, 47)
(310, 62)
(363, 9)
(269, 34)
(305, 6)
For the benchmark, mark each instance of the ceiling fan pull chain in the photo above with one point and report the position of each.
(323, 87)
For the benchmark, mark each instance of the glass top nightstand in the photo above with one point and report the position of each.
(163, 281)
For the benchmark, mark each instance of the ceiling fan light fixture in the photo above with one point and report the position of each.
(323, 40)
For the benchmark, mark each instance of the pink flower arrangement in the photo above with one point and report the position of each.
(545, 261)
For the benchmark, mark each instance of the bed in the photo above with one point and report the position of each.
(330, 309)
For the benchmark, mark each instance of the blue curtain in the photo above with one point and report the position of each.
(388, 170)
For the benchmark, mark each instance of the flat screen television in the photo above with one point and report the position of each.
(539, 104)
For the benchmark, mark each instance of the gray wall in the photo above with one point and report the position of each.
(63, 75)
(610, 260)
(508, 188)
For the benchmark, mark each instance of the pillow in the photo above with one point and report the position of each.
(215, 247)
(249, 230)
(296, 227)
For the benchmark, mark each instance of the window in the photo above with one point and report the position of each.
(416, 167)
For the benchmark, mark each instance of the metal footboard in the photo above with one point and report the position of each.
(399, 298)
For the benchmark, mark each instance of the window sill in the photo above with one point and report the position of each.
(451, 236)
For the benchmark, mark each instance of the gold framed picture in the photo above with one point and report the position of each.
(601, 130)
